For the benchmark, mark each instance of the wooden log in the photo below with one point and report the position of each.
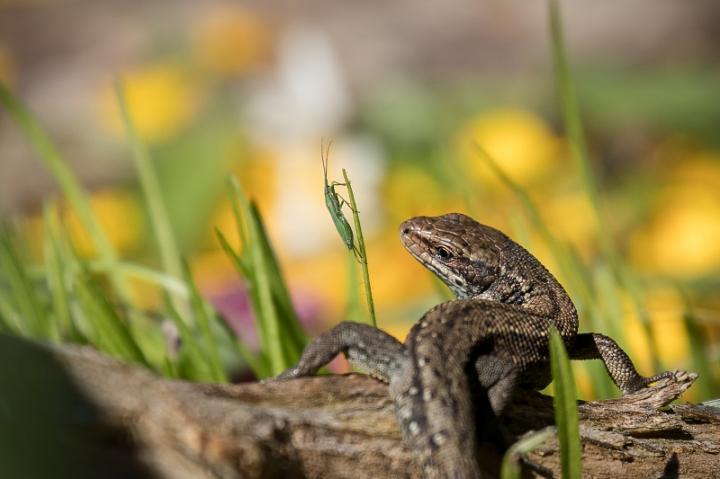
(68, 411)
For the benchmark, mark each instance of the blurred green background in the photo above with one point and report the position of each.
(404, 91)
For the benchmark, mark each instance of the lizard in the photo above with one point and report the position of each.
(492, 337)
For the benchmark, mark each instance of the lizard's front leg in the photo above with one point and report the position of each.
(617, 362)
(366, 347)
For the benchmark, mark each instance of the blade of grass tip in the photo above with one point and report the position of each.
(65, 178)
(110, 332)
(166, 244)
(565, 404)
(34, 322)
(202, 319)
(698, 350)
(361, 249)
(510, 468)
(238, 199)
(54, 270)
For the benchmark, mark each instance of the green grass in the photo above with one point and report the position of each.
(86, 301)
(565, 403)
(65, 178)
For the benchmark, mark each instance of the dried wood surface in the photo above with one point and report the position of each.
(72, 412)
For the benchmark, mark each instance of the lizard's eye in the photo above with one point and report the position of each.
(443, 253)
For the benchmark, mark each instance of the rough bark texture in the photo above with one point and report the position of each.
(72, 412)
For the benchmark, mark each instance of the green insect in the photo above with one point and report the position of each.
(335, 202)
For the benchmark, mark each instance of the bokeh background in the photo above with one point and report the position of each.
(403, 89)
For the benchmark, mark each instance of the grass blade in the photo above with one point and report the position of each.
(510, 468)
(202, 313)
(55, 271)
(109, 332)
(361, 249)
(33, 318)
(565, 403)
(10, 320)
(267, 311)
(257, 364)
(289, 321)
(698, 346)
(568, 264)
(579, 153)
(166, 244)
(353, 310)
(138, 271)
(270, 298)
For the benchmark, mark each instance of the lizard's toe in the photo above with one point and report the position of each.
(290, 373)
(676, 375)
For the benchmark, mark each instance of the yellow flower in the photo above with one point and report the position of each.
(517, 140)
(8, 69)
(119, 216)
(683, 238)
(229, 40)
(162, 100)
(117, 212)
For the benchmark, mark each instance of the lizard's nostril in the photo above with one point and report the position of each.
(405, 230)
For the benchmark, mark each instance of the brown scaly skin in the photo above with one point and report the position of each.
(493, 338)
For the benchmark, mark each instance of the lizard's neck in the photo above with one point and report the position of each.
(549, 302)
(527, 284)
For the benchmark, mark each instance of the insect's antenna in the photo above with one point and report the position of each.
(325, 155)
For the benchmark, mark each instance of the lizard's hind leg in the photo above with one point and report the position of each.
(365, 347)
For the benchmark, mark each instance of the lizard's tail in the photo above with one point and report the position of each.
(430, 402)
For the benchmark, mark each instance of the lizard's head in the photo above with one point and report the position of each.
(464, 254)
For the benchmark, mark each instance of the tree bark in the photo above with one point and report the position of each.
(72, 412)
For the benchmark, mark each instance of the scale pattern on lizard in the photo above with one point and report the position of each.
(493, 337)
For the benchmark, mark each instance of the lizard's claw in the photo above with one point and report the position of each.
(290, 373)
(676, 375)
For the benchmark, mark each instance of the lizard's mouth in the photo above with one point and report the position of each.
(413, 239)
(410, 236)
